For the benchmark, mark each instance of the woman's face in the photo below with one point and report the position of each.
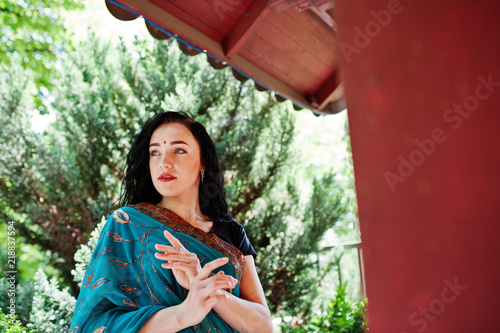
(174, 161)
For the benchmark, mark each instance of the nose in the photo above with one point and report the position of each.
(165, 163)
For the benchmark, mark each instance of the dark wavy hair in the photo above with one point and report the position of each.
(137, 185)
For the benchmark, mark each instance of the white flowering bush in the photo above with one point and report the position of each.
(52, 309)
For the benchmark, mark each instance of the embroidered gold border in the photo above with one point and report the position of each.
(177, 223)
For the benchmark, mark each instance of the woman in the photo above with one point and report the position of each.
(174, 259)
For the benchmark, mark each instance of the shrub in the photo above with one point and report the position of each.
(9, 324)
(25, 291)
(52, 309)
(45, 308)
(342, 315)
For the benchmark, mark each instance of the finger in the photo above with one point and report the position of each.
(216, 285)
(220, 281)
(167, 249)
(174, 241)
(229, 277)
(214, 289)
(222, 278)
(214, 299)
(209, 267)
(179, 265)
(176, 257)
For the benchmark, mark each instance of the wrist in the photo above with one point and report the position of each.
(222, 304)
(183, 318)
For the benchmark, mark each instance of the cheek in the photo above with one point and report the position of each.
(152, 167)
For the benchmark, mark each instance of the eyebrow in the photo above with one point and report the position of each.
(171, 143)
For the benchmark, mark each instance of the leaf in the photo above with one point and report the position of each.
(74, 329)
(82, 302)
(89, 278)
(121, 216)
(104, 251)
(118, 263)
(114, 236)
(129, 303)
(99, 283)
(126, 288)
(168, 288)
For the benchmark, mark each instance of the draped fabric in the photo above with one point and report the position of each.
(124, 284)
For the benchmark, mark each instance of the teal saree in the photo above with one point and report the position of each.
(124, 284)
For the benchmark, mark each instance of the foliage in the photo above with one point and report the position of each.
(84, 253)
(9, 324)
(52, 309)
(288, 264)
(24, 293)
(342, 315)
(33, 32)
(57, 184)
(60, 182)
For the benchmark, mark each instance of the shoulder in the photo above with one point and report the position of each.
(126, 214)
(122, 213)
(231, 226)
(233, 233)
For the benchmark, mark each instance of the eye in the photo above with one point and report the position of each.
(154, 153)
(179, 151)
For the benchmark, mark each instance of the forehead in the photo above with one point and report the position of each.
(172, 132)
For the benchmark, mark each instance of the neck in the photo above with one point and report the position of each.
(188, 209)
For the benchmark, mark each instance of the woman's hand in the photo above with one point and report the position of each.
(184, 265)
(207, 291)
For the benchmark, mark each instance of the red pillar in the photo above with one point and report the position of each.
(422, 81)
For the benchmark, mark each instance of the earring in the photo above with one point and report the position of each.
(202, 175)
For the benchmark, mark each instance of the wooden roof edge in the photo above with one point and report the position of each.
(186, 34)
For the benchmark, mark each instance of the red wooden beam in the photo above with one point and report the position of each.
(328, 91)
(244, 28)
(300, 5)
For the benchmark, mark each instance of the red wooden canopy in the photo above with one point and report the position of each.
(283, 45)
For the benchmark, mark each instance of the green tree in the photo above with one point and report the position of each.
(33, 33)
(58, 184)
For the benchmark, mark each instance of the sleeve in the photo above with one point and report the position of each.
(111, 318)
(241, 241)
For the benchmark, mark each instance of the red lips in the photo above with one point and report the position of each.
(166, 177)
